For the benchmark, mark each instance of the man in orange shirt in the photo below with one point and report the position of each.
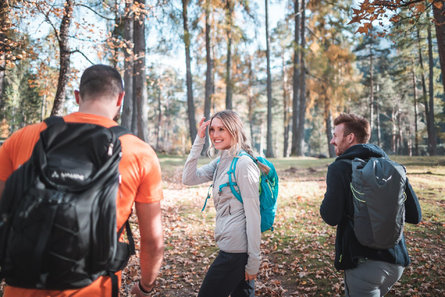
(99, 98)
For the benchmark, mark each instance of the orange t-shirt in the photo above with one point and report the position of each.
(141, 182)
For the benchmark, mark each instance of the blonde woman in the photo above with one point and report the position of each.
(237, 230)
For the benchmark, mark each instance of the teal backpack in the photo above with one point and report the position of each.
(268, 188)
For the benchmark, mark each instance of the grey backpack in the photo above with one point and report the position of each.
(378, 187)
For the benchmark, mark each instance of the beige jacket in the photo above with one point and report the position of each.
(238, 225)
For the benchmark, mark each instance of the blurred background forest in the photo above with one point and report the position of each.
(288, 67)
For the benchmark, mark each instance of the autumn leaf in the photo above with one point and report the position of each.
(438, 4)
(362, 29)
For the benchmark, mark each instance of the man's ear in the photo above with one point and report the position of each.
(77, 96)
(120, 99)
(350, 138)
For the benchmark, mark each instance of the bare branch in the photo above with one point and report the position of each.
(48, 20)
(391, 4)
(81, 53)
(102, 16)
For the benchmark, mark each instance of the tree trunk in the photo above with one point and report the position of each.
(189, 82)
(250, 103)
(377, 120)
(5, 24)
(140, 82)
(229, 21)
(286, 120)
(416, 136)
(302, 99)
(209, 76)
(295, 79)
(371, 95)
(424, 91)
(430, 115)
(328, 126)
(64, 58)
(269, 148)
(394, 129)
(127, 110)
(115, 34)
(159, 125)
(439, 17)
(399, 135)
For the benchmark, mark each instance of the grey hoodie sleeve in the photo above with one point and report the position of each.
(248, 175)
(192, 175)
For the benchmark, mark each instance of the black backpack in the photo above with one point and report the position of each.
(58, 210)
(378, 189)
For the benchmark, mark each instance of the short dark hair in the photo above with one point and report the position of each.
(100, 80)
(354, 124)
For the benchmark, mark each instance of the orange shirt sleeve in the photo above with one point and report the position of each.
(150, 189)
(141, 170)
(17, 149)
(6, 167)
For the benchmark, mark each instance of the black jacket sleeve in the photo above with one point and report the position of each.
(333, 205)
(413, 213)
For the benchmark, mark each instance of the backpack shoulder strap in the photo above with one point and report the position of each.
(52, 120)
(244, 153)
(119, 131)
(349, 161)
(210, 189)
(232, 180)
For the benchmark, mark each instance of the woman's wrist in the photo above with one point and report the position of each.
(146, 290)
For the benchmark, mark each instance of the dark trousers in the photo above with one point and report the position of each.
(226, 277)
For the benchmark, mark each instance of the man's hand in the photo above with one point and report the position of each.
(249, 277)
(136, 290)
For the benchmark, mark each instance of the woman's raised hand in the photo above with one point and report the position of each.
(202, 127)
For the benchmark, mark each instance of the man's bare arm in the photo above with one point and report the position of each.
(152, 241)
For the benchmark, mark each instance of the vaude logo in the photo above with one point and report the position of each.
(64, 175)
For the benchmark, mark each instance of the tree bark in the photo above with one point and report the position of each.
(416, 136)
(371, 95)
(189, 81)
(250, 102)
(302, 99)
(159, 124)
(5, 24)
(424, 91)
(229, 23)
(139, 82)
(209, 76)
(286, 102)
(377, 120)
(328, 126)
(64, 60)
(127, 110)
(269, 148)
(439, 18)
(430, 115)
(295, 79)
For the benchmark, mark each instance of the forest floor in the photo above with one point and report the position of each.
(298, 255)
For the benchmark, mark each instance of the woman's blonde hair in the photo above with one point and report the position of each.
(232, 122)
